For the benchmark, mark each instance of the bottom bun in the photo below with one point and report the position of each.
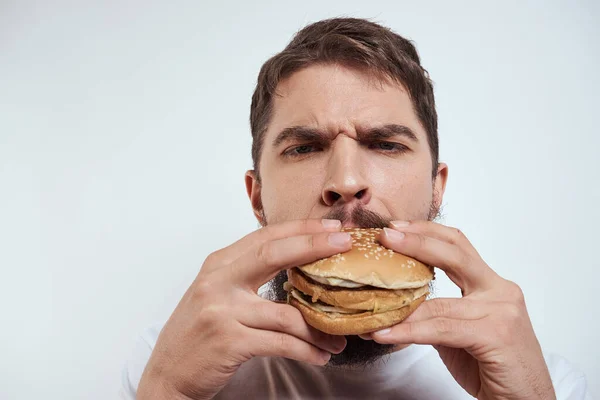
(354, 324)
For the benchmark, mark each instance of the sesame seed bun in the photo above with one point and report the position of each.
(369, 263)
(362, 290)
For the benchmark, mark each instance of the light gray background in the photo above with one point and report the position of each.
(124, 138)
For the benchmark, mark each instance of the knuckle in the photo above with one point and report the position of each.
(310, 242)
(211, 260)
(260, 310)
(458, 237)
(283, 319)
(410, 329)
(512, 313)
(282, 342)
(203, 289)
(421, 241)
(514, 292)
(305, 225)
(440, 308)
(458, 234)
(264, 254)
(443, 325)
(211, 314)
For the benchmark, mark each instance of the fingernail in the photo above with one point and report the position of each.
(383, 332)
(400, 224)
(331, 223)
(325, 355)
(339, 239)
(393, 235)
(339, 346)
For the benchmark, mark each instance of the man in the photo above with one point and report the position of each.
(345, 134)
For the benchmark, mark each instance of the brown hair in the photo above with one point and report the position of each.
(355, 43)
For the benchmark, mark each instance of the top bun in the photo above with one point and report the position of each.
(369, 263)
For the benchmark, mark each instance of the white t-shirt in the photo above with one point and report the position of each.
(416, 372)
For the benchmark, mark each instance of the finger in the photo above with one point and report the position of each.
(261, 263)
(267, 315)
(448, 308)
(468, 272)
(451, 308)
(442, 331)
(274, 232)
(262, 343)
(434, 230)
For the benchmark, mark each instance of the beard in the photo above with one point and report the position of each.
(359, 353)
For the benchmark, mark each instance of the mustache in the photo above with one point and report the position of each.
(360, 216)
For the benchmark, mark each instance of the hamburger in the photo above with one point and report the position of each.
(365, 289)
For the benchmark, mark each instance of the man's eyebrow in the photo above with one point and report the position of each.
(387, 131)
(307, 134)
(301, 134)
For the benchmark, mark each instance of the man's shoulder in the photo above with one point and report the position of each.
(559, 365)
(150, 334)
(138, 358)
(568, 380)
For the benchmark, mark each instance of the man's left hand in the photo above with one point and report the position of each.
(485, 338)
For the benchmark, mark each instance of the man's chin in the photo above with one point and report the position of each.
(360, 353)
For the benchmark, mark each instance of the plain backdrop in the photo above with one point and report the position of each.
(124, 138)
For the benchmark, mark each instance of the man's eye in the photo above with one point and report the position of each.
(300, 150)
(303, 149)
(388, 147)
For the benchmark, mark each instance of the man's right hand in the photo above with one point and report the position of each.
(221, 322)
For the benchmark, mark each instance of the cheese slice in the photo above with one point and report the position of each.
(319, 306)
(335, 281)
(323, 307)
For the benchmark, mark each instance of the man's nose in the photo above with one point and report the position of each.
(346, 182)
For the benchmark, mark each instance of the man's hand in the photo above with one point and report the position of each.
(485, 338)
(221, 322)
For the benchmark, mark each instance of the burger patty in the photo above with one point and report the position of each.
(366, 298)
(330, 287)
(321, 306)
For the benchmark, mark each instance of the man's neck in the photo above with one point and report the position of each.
(394, 349)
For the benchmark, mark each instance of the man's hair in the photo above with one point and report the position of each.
(354, 43)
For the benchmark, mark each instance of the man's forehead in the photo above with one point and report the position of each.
(333, 74)
(336, 99)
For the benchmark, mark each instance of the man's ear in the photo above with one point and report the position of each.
(253, 189)
(439, 184)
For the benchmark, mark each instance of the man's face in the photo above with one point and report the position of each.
(343, 145)
(342, 165)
